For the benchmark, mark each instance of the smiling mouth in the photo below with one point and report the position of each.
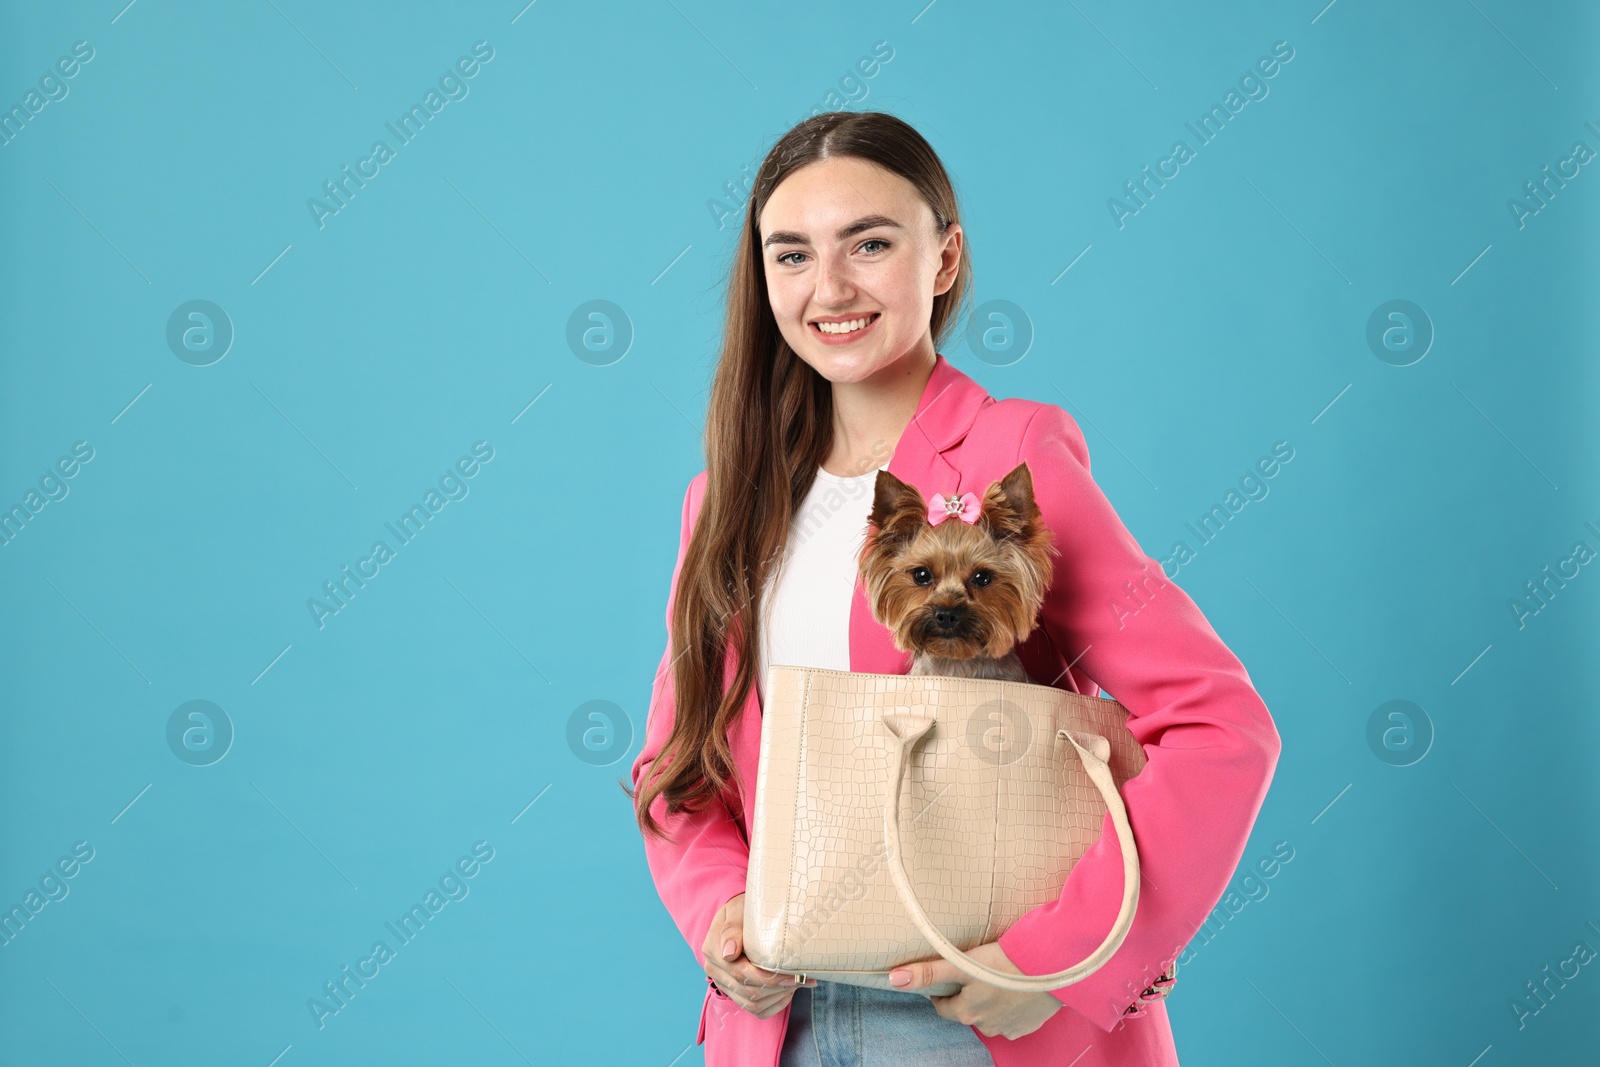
(840, 330)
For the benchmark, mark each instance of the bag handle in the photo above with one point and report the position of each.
(1093, 750)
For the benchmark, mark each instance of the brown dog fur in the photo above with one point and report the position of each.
(981, 585)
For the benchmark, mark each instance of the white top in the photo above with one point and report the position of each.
(806, 618)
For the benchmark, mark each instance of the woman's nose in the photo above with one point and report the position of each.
(834, 286)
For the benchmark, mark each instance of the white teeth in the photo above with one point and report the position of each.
(843, 327)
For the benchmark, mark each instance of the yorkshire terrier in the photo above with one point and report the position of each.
(960, 595)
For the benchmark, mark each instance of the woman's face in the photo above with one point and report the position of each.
(844, 240)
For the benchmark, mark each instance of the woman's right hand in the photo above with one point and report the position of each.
(760, 992)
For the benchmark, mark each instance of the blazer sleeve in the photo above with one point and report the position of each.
(705, 864)
(1210, 742)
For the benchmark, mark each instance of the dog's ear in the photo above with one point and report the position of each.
(898, 512)
(1009, 507)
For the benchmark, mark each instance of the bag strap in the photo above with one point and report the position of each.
(1093, 750)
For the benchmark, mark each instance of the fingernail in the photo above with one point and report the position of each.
(729, 947)
(900, 978)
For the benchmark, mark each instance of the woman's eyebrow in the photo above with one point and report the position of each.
(789, 237)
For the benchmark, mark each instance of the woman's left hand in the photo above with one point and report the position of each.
(993, 1011)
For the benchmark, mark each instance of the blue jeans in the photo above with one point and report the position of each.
(839, 1025)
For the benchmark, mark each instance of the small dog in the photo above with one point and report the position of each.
(960, 595)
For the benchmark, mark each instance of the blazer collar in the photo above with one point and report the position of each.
(950, 403)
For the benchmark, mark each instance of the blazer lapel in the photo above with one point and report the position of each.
(950, 402)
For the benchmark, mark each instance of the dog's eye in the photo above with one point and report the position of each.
(981, 579)
(921, 575)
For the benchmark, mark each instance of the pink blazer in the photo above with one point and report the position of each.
(1111, 617)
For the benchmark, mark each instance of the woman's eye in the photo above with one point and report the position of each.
(921, 575)
(786, 261)
(982, 578)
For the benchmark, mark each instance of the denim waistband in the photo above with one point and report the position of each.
(840, 1025)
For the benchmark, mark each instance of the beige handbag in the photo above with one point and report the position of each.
(900, 817)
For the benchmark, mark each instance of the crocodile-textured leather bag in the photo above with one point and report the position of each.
(899, 816)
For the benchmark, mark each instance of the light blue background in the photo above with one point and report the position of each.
(1229, 314)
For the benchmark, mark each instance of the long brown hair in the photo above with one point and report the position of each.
(769, 426)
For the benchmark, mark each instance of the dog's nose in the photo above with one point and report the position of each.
(946, 618)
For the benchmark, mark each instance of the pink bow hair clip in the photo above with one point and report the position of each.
(966, 508)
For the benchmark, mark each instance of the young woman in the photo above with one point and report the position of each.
(849, 272)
